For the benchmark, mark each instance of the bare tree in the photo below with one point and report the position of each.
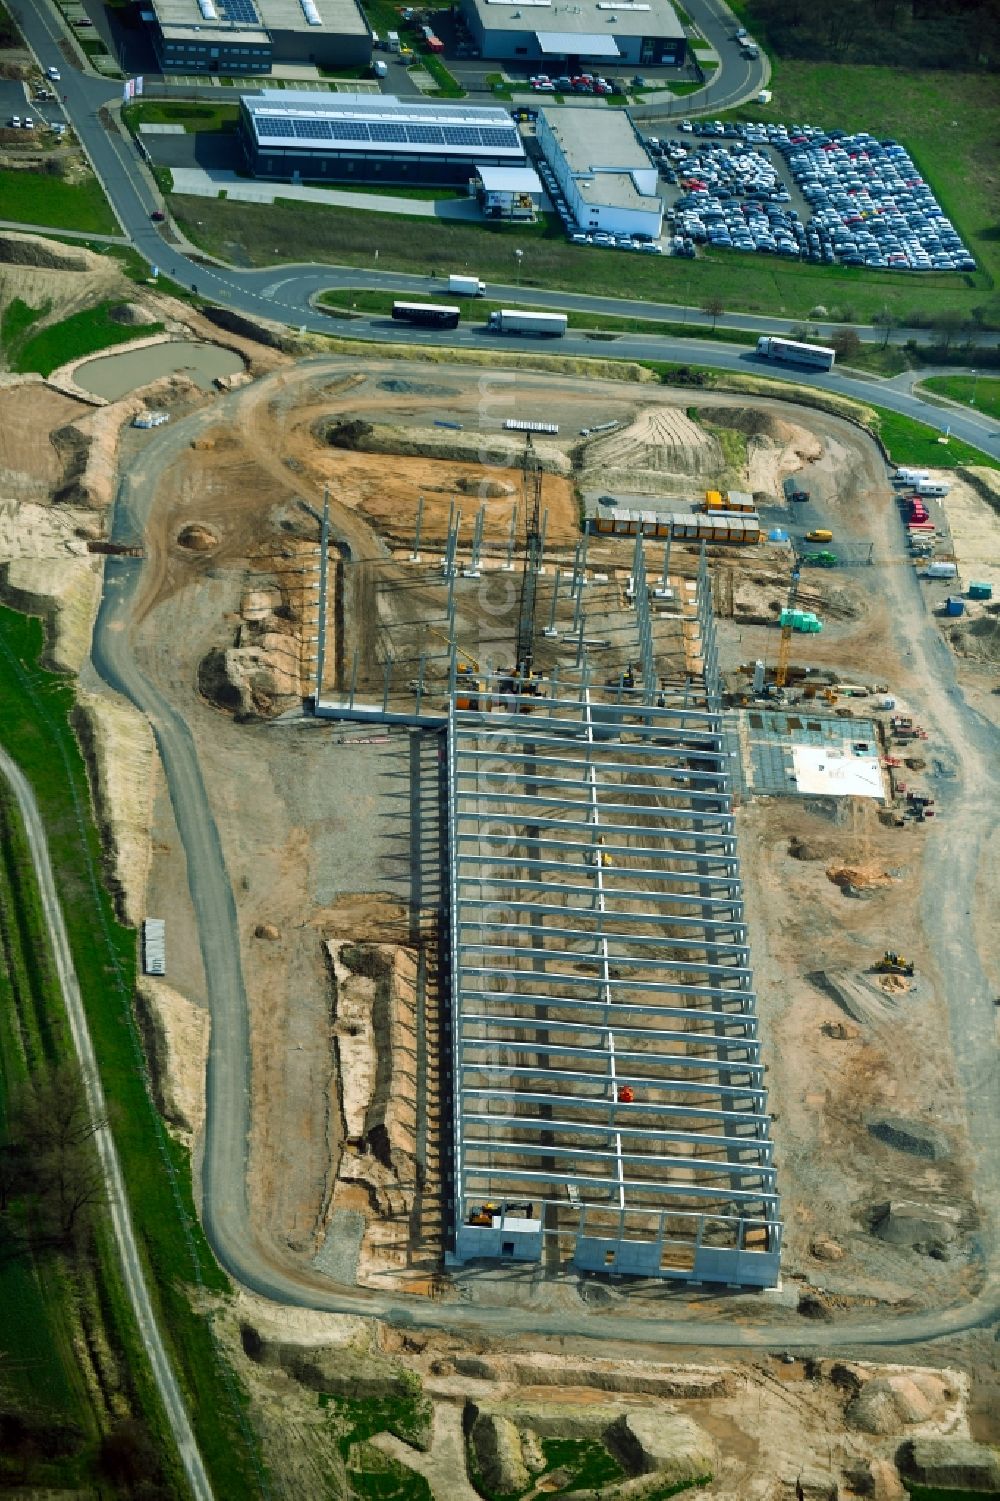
(885, 319)
(846, 344)
(51, 1129)
(713, 306)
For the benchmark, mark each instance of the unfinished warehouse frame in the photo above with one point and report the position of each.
(610, 1107)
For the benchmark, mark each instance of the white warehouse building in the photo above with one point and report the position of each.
(645, 33)
(606, 175)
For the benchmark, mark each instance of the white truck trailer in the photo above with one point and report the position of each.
(791, 352)
(466, 286)
(546, 325)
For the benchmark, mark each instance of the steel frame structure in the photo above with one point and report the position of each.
(610, 1108)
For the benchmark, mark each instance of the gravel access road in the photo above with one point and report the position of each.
(973, 745)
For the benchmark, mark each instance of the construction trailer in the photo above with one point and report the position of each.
(713, 527)
(610, 1106)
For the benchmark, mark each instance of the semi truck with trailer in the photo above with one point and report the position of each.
(546, 325)
(427, 314)
(791, 352)
(466, 286)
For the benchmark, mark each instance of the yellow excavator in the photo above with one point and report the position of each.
(892, 963)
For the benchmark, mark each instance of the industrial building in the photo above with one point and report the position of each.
(248, 36)
(606, 174)
(644, 33)
(610, 1106)
(509, 192)
(374, 138)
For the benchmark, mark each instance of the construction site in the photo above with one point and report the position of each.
(585, 864)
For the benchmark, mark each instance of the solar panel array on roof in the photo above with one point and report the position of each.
(381, 132)
(241, 11)
(274, 125)
(316, 130)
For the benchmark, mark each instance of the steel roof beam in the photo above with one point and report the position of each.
(621, 1125)
(726, 1118)
(650, 1186)
(644, 1081)
(472, 1045)
(745, 1013)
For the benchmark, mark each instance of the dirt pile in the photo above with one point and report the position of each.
(661, 452)
(122, 763)
(89, 451)
(175, 1035)
(46, 255)
(197, 538)
(858, 877)
(950, 1464)
(886, 1404)
(668, 1444)
(917, 1138)
(260, 675)
(33, 531)
(132, 315)
(66, 592)
(494, 449)
(978, 639)
(253, 680)
(607, 1375)
(928, 1229)
(258, 330)
(375, 1040)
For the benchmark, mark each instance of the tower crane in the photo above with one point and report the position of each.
(785, 649)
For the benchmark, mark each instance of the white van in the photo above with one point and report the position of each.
(392, 40)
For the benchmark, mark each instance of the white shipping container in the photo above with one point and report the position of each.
(940, 571)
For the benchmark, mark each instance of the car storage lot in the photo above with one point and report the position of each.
(797, 191)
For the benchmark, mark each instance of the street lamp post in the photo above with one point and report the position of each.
(972, 398)
(518, 257)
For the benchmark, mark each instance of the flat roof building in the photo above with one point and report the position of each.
(247, 36)
(640, 32)
(606, 174)
(374, 138)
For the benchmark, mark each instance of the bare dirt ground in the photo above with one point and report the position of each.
(332, 839)
(252, 484)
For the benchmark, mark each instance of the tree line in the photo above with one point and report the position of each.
(963, 35)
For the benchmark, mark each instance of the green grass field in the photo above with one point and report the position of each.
(194, 117)
(917, 445)
(34, 198)
(83, 333)
(980, 392)
(36, 731)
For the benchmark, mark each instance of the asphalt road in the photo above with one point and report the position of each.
(121, 1220)
(286, 293)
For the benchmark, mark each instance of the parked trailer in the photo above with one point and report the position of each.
(791, 352)
(938, 488)
(427, 314)
(154, 946)
(466, 286)
(546, 325)
(910, 476)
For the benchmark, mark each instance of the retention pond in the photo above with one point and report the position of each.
(115, 375)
